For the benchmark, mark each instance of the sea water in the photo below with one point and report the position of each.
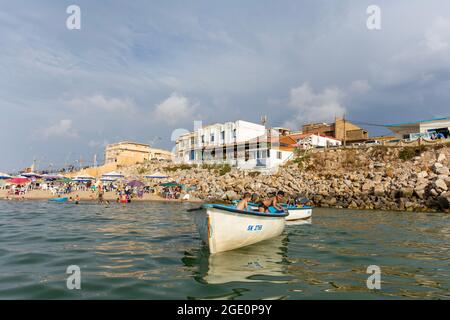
(152, 251)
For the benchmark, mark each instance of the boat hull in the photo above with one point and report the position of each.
(225, 230)
(299, 213)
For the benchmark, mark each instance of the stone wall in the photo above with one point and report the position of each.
(381, 178)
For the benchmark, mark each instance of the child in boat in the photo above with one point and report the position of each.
(243, 204)
(272, 202)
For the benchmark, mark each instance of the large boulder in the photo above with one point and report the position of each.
(444, 201)
(231, 195)
(407, 192)
(440, 184)
(379, 190)
(422, 174)
(440, 169)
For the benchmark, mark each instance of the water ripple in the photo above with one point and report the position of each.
(152, 251)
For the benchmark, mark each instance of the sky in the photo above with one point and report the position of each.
(146, 70)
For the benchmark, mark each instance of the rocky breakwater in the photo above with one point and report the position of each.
(381, 178)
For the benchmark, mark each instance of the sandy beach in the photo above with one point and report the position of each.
(85, 196)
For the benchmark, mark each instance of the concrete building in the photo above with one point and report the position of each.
(310, 140)
(423, 128)
(341, 129)
(128, 153)
(242, 144)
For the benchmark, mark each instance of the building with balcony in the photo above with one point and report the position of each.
(241, 144)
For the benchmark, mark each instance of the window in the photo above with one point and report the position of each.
(246, 151)
(223, 135)
(212, 137)
(192, 141)
(203, 138)
(279, 155)
(234, 133)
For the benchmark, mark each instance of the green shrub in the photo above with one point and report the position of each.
(141, 170)
(224, 169)
(301, 160)
(254, 174)
(407, 153)
(176, 167)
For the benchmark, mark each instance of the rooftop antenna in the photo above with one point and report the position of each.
(264, 120)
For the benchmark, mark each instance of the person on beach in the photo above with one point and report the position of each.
(77, 199)
(243, 204)
(272, 202)
(100, 195)
(124, 198)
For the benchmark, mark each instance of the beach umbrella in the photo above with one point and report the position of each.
(171, 184)
(112, 174)
(4, 176)
(83, 178)
(18, 180)
(156, 175)
(108, 179)
(135, 183)
(30, 175)
(64, 180)
(51, 177)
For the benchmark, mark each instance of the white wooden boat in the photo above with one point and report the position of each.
(225, 228)
(298, 213)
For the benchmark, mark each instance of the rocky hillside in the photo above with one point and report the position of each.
(383, 178)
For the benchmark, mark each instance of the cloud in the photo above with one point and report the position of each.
(62, 129)
(175, 109)
(98, 101)
(437, 37)
(309, 106)
(96, 144)
(360, 86)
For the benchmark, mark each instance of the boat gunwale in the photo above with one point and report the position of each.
(251, 213)
(283, 205)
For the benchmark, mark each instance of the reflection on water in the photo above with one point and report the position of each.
(153, 251)
(257, 263)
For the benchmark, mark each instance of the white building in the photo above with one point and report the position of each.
(424, 128)
(310, 140)
(242, 144)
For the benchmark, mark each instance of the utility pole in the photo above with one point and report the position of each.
(345, 134)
